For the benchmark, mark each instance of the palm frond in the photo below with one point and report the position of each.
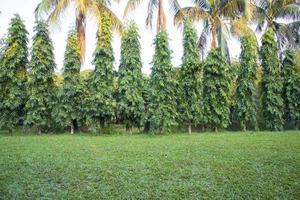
(44, 7)
(288, 35)
(202, 42)
(240, 28)
(222, 32)
(230, 8)
(132, 5)
(58, 10)
(192, 13)
(204, 4)
(174, 6)
(152, 6)
(289, 12)
(116, 23)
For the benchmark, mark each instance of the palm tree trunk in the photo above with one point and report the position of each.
(80, 28)
(161, 18)
(214, 36)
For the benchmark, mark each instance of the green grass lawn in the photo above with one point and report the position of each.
(200, 166)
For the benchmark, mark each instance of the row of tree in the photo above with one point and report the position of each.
(213, 94)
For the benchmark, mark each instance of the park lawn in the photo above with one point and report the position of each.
(261, 165)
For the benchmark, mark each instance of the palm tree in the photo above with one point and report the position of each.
(269, 12)
(216, 15)
(96, 8)
(152, 6)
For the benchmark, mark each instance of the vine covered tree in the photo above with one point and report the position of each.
(162, 104)
(70, 91)
(102, 104)
(216, 88)
(130, 98)
(190, 79)
(13, 74)
(246, 94)
(40, 82)
(291, 90)
(272, 103)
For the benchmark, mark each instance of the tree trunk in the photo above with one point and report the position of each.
(80, 28)
(161, 19)
(216, 129)
(72, 128)
(214, 36)
(190, 128)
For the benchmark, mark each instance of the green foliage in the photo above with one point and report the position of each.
(216, 88)
(246, 94)
(70, 102)
(162, 104)
(101, 103)
(130, 99)
(190, 77)
(291, 90)
(272, 103)
(41, 89)
(13, 74)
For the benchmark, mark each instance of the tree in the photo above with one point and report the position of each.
(216, 88)
(190, 79)
(130, 99)
(102, 104)
(13, 75)
(40, 82)
(152, 6)
(291, 90)
(70, 92)
(246, 95)
(162, 108)
(272, 103)
(215, 16)
(96, 8)
(269, 12)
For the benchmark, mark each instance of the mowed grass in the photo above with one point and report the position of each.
(260, 165)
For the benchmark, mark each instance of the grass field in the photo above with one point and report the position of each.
(200, 166)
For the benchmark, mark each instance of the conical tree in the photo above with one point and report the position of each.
(291, 90)
(162, 108)
(101, 106)
(246, 95)
(216, 88)
(130, 99)
(272, 102)
(40, 82)
(13, 74)
(190, 79)
(70, 91)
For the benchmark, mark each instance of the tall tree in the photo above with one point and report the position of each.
(70, 91)
(291, 90)
(246, 94)
(272, 103)
(215, 16)
(102, 104)
(216, 88)
(162, 108)
(96, 8)
(40, 82)
(130, 101)
(190, 79)
(269, 13)
(13, 74)
(153, 5)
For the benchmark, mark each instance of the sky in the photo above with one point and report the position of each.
(58, 33)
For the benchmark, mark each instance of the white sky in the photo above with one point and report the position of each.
(25, 8)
